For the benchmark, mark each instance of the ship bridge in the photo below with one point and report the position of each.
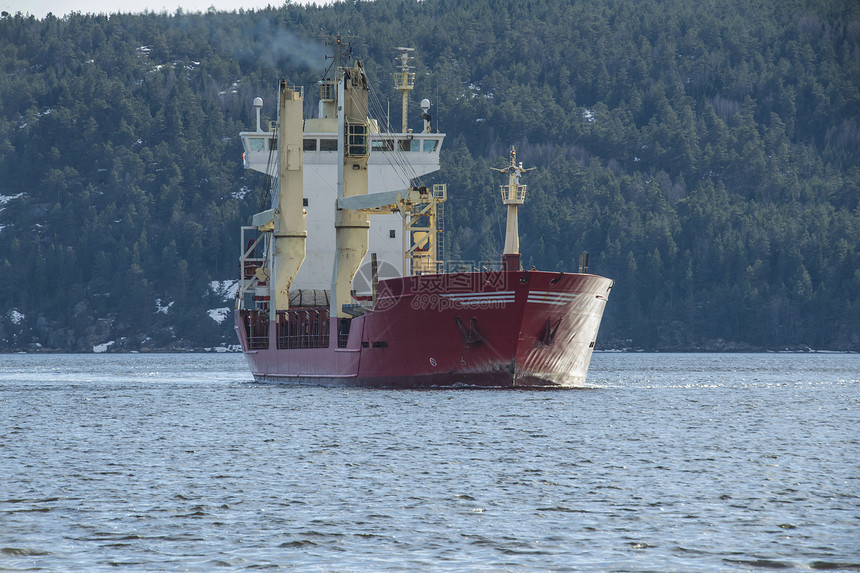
(395, 160)
(320, 148)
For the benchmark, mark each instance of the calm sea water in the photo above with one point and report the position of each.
(668, 462)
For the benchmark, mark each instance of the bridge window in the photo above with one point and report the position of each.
(383, 145)
(410, 145)
(310, 145)
(328, 145)
(430, 145)
(256, 144)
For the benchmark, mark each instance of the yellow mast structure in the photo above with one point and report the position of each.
(351, 226)
(421, 207)
(290, 217)
(404, 81)
(423, 224)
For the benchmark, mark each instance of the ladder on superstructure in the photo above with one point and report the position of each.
(440, 194)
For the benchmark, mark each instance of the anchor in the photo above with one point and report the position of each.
(470, 336)
(548, 335)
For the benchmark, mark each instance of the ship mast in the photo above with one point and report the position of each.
(290, 217)
(351, 226)
(404, 81)
(513, 195)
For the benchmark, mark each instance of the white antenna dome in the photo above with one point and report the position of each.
(425, 104)
(258, 105)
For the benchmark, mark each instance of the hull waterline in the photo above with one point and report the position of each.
(517, 329)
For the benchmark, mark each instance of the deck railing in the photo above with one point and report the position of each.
(303, 328)
(256, 329)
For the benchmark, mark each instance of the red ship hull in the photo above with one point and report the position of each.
(483, 329)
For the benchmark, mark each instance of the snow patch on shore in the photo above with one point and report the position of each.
(224, 348)
(99, 348)
(219, 314)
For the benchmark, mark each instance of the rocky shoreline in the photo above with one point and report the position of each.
(111, 335)
(122, 346)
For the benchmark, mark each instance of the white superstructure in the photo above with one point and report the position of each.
(395, 159)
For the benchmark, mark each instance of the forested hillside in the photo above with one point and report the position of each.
(705, 154)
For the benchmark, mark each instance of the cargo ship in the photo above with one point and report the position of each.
(343, 281)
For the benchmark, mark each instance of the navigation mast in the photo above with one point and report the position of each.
(404, 80)
(513, 195)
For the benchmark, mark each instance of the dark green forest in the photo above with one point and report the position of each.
(705, 154)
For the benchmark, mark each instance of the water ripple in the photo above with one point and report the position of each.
(668, 462)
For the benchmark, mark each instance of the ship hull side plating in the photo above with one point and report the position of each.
(480, 329)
